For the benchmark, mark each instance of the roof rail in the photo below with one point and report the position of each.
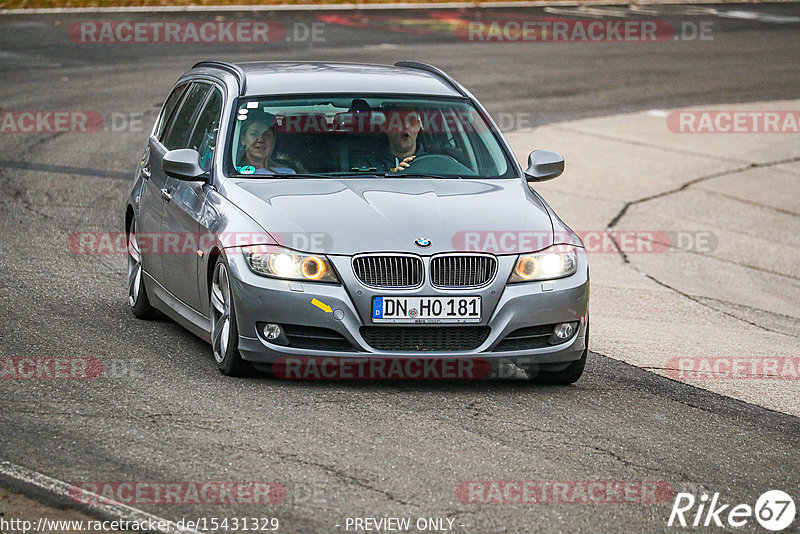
(229, 67)
(433, 70)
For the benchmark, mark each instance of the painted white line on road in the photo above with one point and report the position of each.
(382, 46)
(667, 11)
(761, 17)
(589, 12)
(18, 477)
(356, 7)
(671, 10)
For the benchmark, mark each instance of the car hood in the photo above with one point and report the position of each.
(349, 216)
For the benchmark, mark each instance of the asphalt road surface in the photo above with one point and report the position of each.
(352, 449)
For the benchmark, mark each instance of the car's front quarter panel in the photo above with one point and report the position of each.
(227, 226)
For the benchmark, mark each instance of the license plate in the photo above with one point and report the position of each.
(426, 309)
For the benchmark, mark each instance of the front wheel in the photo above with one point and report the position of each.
(224, 332)
(137, 294)
(563, 377)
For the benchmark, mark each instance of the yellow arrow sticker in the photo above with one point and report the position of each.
(322, 306)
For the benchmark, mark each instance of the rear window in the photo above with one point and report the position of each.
(169, 107)
(180, 125)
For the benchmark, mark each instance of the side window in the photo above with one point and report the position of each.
(181, 123)
(204, 136)
(169, 107)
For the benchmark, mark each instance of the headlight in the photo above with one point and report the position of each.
(283, 263)
(555, 262)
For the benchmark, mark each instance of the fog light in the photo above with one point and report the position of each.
(271, 331)
(564, 331)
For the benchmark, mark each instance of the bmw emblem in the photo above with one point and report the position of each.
(422, 242)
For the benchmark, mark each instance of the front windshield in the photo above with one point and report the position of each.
(332, 136)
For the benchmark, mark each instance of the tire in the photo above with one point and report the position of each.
(137, 294)
(266, 369)
(566, 376)
(224, 331)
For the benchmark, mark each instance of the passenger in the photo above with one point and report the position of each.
(257, 139)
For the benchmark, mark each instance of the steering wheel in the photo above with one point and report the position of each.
(437, 164)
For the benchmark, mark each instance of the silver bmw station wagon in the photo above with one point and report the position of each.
(323, 210)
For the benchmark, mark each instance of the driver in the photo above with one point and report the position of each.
(402, 127)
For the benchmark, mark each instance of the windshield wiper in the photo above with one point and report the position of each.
(420, 175)
(354, 174)
(286, 175)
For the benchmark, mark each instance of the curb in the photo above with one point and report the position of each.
(366, 6)
(54, 492)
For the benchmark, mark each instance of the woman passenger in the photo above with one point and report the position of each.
(257, 140)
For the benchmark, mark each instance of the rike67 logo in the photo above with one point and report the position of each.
(774, 510)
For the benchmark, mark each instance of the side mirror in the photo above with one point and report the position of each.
(184, 164)
(544, 165)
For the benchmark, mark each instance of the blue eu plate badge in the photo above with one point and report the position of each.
(377, 307)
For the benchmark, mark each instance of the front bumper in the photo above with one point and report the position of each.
(506, 308)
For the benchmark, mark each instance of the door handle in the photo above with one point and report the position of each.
(146, 171)
(166, 194)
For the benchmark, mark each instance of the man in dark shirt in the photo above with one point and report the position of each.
(402, 128)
